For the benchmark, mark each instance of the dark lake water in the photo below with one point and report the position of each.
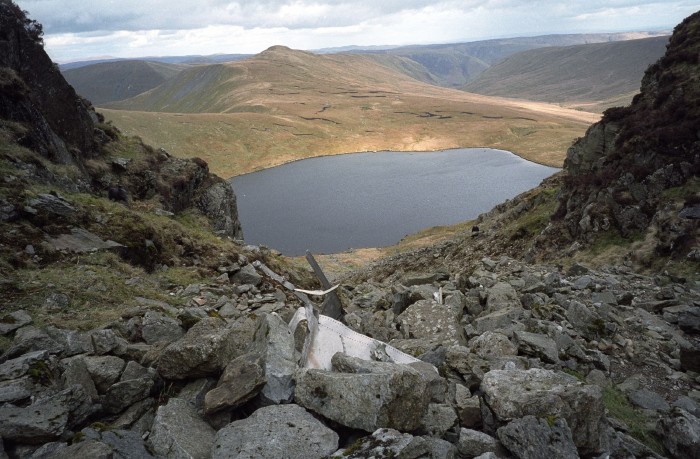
(334, 203)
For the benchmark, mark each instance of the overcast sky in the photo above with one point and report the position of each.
(79, 29)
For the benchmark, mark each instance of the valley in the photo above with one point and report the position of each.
(285, 105)
(137, 322)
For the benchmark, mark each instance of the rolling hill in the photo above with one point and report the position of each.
(573, 74)
(456, 64)
(284, 104)
(110, 81)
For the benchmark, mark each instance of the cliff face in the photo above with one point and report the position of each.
(619, 172)
(43, 122)
(32, 90)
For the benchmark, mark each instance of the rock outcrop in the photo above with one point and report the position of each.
(41, 112)
(234, 387)
(618, 173)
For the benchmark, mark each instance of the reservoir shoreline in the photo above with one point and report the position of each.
(334, 203)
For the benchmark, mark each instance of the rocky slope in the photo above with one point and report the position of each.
(621, 175)
(516, 358)
(52, 141)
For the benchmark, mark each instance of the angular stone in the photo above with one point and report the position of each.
(132, 414)
(680, 432)
(21, 365)
(275, 343)
(156, 327)
(134, 370)
(275, 431)
(75, 371)
(537, 345)
(513, 394)
(178, 432)
(605, 297)
(247, 275)
(104, 370)
(125, 443)
(72, 342)
(88, 448)
(533, 438)
(431, 320)
(383, 395)
(53, 204)
(205, 349)
(34, 424)
(30, 339)
(492, 344)
(195, 392)
(438, 420)
(15, 390)
(46, 419)
(242, 380)
(473, 443)
(649, 400)
(105, 341)
(387, 443)
(468, 407)
(367, 296)
(503, 319)
(13, 320)
(125, 393)
(502, 296)
(583, 319)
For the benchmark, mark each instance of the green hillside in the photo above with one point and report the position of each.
(456, 64)
(110, 81)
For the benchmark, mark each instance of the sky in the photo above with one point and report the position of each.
(80, 30)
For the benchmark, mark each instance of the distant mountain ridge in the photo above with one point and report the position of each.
(189, 59)
(587, 72)
(449, 65)
(454, 65)
(110, 81)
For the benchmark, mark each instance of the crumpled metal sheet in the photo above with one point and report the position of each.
(332, 336)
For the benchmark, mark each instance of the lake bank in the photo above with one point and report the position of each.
(333, 203)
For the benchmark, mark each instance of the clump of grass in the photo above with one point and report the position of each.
(5, 343)
(613, 240)
(535, 220)
(619, 407)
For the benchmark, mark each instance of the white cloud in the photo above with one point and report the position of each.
(131, 28)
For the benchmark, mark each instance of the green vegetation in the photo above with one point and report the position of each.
(612, 240)
(532, 221)
(640, 427)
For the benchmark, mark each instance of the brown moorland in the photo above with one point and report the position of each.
(283, 105)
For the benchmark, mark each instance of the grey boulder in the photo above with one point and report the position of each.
(178, 432)
(513, 394)
(366, 395)
(533, 438)
(681, 434)
(275, 343)
(275, 431)
(431, 320)
(242, 380)
(392, 443)
(205, 349)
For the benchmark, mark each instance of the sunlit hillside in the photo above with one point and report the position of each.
(283, 105)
